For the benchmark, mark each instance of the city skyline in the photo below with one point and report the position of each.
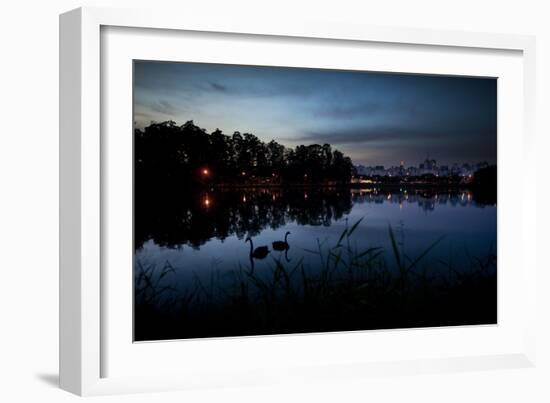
(416, 164)
(428, 166)
(372, 117)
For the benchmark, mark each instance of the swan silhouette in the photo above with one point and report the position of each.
(260, 252)
(281, 245)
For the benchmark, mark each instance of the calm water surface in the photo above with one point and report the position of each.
(203, 237)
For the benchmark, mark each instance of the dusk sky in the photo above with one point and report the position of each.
(375, 118)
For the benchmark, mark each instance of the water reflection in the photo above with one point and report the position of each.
(185, 218)
(426, 199)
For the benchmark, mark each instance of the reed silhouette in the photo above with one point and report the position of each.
(351, 289)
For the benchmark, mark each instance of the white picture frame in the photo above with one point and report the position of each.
(85, 343)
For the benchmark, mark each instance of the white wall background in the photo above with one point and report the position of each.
(29, 196)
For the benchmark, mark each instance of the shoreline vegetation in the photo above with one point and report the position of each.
(168, 152)
(350, 289)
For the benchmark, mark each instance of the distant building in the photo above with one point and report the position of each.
(362, 170)
(427, 167)
(379, 170)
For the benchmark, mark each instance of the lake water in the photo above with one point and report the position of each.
(202, 236)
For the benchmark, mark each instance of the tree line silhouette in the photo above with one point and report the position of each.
(192, 156)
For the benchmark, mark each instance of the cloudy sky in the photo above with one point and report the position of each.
(375, 118)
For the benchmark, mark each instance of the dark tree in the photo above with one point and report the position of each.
(166, 153)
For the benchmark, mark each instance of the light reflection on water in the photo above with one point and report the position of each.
(206, 239)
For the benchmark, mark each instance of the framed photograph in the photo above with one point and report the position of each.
(247, 202)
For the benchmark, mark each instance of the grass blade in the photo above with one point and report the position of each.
(354, 227)
(395, 249)
(421, 256)
(338, 244)
(366, 252)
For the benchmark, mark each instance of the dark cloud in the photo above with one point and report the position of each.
(164, 107)
(218, 87)
(385, 145)
(260, 90)
(347, 111)
(364, 135)
(446, 153)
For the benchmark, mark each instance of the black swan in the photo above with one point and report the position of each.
(281, 245)
(260, 252)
